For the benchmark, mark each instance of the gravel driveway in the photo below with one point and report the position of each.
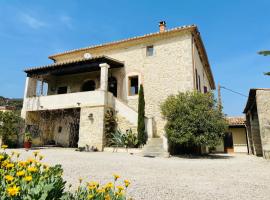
(218, 177)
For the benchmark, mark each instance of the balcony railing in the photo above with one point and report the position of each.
(70, 100)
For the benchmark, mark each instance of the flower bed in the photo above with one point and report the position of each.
(33, 180)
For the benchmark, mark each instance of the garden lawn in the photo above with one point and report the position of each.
(215, 177)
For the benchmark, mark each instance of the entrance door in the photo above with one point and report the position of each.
(228, 142)
(74, 135)
(112, 85)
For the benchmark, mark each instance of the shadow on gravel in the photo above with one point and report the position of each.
(209, 156)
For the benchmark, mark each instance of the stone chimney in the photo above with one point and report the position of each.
(162, 26)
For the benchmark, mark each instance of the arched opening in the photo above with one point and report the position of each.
(88, 86)
(112, 85)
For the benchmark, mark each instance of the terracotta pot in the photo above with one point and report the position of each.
(27, 145)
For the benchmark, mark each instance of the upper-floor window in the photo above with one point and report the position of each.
(198, 80)
(150, 50)
(133, 85)
(62, 90)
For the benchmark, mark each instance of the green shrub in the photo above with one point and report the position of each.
(127, 140)
(193, 120)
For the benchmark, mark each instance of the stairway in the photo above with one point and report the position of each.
(154, 148)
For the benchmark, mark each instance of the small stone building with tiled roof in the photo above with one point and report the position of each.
(235, 140)
(66, 101)
(257, 112)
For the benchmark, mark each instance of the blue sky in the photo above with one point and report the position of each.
(232, 31)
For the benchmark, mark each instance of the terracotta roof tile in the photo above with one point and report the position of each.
(236, 121)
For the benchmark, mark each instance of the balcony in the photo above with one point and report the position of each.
(70, 100)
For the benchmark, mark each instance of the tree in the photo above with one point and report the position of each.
(11, 125)
(142, 136)
(193, 120)
(265, 53)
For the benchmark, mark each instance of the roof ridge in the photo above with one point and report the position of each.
(125, 40)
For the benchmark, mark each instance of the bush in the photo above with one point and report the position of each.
(29, 179)
(193, 120)
(10, 128)
(120, 139)
(33, 180)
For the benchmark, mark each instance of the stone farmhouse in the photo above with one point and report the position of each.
(78, 87)
(258, 124)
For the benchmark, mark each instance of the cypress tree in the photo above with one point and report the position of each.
(142, 137)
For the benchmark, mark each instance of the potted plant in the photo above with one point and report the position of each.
(27, 140)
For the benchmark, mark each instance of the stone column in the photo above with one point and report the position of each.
(104, 68)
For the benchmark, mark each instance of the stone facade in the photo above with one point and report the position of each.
(257, 113)
(171, 69)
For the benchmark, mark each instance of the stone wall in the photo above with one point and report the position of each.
(168, 71)
(91, 134)
(255, 134)
(263, 108)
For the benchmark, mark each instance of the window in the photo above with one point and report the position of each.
(205, 90)
(62, 90)
(199, 78)
(133, 85)
(59, 129)
(150, 50)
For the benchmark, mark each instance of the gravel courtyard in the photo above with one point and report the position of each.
(217, 177)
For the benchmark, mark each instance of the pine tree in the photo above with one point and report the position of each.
(142, 137)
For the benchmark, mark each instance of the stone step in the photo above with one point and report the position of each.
(156, 154)
(154, 148)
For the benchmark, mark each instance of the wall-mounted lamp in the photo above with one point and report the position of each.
(78, 103)
(90, 117)
(41, 107)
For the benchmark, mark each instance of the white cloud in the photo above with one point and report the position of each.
(32, 21)
(67, 21)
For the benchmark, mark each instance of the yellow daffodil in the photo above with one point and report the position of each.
(13, 191)
(4, 146)
(31, 160)
(127, 183)
(101, 190)
(92, 185)
(28, 178)
(1, 157)
(32, 169)
(120, 188)
(116, 177)
(20, 173)
(9, 178)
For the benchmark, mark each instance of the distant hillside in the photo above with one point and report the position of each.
(16, 102)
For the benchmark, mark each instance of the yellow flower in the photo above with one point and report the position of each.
(9, 165)
(107, 197)
(9, 178)
(80, 180)
(116, 177)
(109, 185)
(36, 153)
(22, 163)
(20, 173)
(31, 160)
(127, 183)
(4, 146)
(1, 157)
(92, 185)
(120, 193)
(32, 169)
(28, 178)
(41, 157)
(13, 191)
(102, 190)
(120, 188)
(90, 196)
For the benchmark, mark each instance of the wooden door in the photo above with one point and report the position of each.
(228, 143)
